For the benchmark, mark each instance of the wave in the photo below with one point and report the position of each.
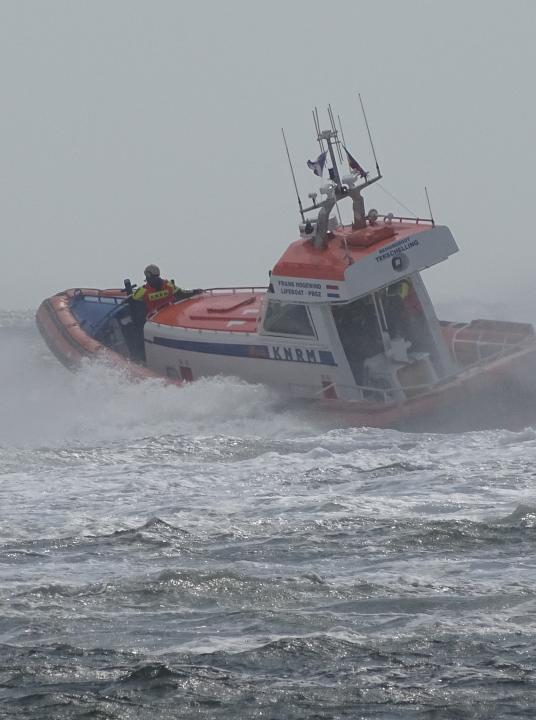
(342, 526)
(45, 405)
(293, 677)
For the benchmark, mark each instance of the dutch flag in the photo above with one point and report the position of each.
(330, 289)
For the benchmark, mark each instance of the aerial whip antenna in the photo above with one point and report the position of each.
(340, 128)
(429, 206)
(344, 142)
(317, 128)
(333, 127)
(293, 177)
(370, 136)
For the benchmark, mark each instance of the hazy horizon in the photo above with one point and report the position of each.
(138, 133)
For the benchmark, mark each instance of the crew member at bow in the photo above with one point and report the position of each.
(156, 291)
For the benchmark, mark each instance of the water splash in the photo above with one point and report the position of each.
(44, 404)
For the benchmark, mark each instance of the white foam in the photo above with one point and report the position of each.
(44, 404)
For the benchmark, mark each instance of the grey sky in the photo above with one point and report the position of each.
(135, 132)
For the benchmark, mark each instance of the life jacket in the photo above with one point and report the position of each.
(406, 292)
(154, 298)
(399, 289)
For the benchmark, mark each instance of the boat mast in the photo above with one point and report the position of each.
(339, 188)
(330, 136)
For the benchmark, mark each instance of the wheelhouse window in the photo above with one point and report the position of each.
(287, 319)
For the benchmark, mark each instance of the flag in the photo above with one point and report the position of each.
(330, 289)
(354, 165)
(317, 166)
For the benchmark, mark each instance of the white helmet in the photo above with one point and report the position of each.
(152, 271)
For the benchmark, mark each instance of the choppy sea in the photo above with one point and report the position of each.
(211, 552)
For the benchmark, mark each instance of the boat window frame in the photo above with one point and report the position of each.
(313, 335)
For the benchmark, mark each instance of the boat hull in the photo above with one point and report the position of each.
(498, 391)
(72, 344)
(496, 394)
(490, 393)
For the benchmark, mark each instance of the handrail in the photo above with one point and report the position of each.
(479, 342)
(100, 293)
(239, 288)
(390, 218)
(386, 393)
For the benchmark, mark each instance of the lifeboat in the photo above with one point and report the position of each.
(345, 323)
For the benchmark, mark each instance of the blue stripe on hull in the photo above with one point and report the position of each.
(326, 358)
(234, 349)
(261, 352)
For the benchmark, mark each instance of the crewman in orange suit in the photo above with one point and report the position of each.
(152, 295)
(156, 291)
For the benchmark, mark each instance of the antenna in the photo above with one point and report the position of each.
(293, 177)
(370, 136)
(317, 127)
(344, 141)
(340, 128)
(429, 206)
(330, 113)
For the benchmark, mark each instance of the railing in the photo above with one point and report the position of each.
(481, 341)
(243, 288)
(400, 394)
(390, 218)
(367, 395)
(373, 394)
